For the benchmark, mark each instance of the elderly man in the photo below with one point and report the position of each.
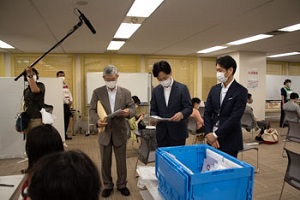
(113, 135)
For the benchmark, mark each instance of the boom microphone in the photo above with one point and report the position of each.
(86, 21)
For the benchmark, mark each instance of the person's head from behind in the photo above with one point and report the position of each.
(249, 99)
(64, 175)
(110, 76)
(163, 72)
(287, 83)
(196, 102)
(136, 100)
(294, 96)
(40, 141)
(226, 67)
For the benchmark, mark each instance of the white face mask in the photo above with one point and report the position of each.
(289, 85)
(166, 83)
(62, 78)
(111, 84)
(221, 77)
(34, 78)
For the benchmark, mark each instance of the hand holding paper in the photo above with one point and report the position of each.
(103, 117)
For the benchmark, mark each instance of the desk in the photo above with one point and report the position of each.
(7, 192)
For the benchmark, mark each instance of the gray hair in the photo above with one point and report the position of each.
(110, 69)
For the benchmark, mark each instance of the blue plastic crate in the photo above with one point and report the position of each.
(178, 170)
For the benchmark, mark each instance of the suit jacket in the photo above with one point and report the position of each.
(117, 127)
(179, 101)
(228, 115)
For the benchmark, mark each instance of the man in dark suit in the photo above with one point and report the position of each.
(224, 108)
(113, 135)
(170, 99)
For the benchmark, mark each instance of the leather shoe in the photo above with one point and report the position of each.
(106, 192)
(68, 138)
(124, 191)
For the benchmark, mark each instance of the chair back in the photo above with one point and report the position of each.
(192, 125)
(293, 133)
(201, 110)
(291, 116)
(148, 145)
(247, 121)
(292, 175)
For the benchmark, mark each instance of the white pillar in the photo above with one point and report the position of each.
(251, 73)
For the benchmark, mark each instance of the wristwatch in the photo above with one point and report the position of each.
(30, 76)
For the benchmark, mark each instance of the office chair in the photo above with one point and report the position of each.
(293, 134)
(192, 127)
(289, 116)
(247, 123)
(146, 151)
(248, 147)
(292, 175)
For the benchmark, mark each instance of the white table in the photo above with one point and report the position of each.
(7, 192)
(148, 180)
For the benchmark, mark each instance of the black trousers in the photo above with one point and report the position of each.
(67, 115)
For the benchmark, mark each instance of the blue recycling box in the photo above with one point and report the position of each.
(179, 173)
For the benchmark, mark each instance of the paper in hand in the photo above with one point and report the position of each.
(101, 114)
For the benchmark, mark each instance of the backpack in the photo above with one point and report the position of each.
(270, 136)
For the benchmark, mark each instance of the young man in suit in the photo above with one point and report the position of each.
(224, 108)
(170, 99)
(113, 135)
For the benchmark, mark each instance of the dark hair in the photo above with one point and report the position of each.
(59, 72)
(294, 95)
(226, 62)
(42, 140)
(161, 66)
(36, 73)
(287, 81)
(64, 175)
(195, 100)
(249, 96)
(136, 100)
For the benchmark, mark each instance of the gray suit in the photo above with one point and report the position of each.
(115, 134)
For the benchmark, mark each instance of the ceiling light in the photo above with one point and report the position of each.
(143, 8)
(115, 45)
(216, 48)
(284, 54)
(4, 45)
(250, 39)
(292, 28)
(126, 30)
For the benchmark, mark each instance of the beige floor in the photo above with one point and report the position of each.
(267, 182)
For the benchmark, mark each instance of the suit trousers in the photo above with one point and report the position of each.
(106, 165)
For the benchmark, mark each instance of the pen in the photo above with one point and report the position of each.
(6, 185)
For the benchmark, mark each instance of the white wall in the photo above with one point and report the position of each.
(11, 142)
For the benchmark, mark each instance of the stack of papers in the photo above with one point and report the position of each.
(159, 118)
(146, 172)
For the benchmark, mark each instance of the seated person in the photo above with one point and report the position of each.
(196, 114)
(136, 122)
(292, 105)
(41, 140)
(256, 122)
(64, 175)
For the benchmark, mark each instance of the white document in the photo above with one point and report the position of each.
(159, 118)
(114, 113)
(146, 172)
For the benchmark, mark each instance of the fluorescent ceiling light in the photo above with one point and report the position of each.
(126, 30)
(216, 48)
(292, 28)
(115, 45)
(4, 45)
(250, 39)
(143, 8)
(284, 54)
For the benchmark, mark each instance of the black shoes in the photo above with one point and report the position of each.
(106, 192)
(68, 138)
(124, 191)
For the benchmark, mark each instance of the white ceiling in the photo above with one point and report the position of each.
(177, 27)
